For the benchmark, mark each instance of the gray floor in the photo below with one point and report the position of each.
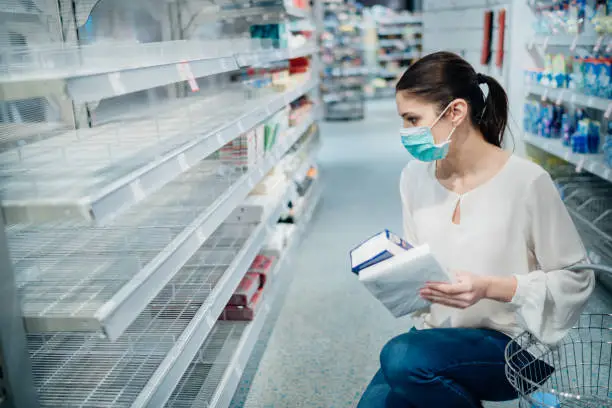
(325, 344)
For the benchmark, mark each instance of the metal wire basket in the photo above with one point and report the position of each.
(573, 373)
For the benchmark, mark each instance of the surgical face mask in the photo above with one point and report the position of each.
(419, 141)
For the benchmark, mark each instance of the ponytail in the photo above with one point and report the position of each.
(494, 117)
(443, 76)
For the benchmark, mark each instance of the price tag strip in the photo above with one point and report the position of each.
(185, 73)
(115, 81)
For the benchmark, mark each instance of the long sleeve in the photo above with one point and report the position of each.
(549, 300)
(407, 220)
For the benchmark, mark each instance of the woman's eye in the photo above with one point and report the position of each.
(411, 121)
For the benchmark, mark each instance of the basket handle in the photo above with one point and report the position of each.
(592, 267)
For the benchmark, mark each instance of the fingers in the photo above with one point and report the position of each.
(449, 288)
(461, 300)
(446, 301)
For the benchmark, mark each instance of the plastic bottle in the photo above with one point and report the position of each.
(593, 137)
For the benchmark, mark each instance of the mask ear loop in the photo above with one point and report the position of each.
(440, 115)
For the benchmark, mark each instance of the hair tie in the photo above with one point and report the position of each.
(480, 78)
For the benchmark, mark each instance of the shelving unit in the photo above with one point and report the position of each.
(121, 177)
(342, 53)
(584, 180)
(398, 43)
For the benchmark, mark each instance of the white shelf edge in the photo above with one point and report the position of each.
(558, 95)
(162, 383)
(156, 174)
(88, 87)
(115, 316)
(233, 373)
(592, 163)
(396, 57)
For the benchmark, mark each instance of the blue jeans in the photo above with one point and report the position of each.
(450, 367)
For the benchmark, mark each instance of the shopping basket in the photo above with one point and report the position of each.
(573, 373)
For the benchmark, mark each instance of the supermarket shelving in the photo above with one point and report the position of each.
(213, 379)
(593, 163)
(397, 56)
(571, 41)
(144, 365)
(87, 74)
(564, 95)
(60, 305)
(93, 199)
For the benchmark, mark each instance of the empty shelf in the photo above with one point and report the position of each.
(83, 278)
(214, 374)
(593, 163)
(73, 370)
(95, 173)
(87, 73)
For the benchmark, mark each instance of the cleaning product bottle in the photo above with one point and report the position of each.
(593, 137)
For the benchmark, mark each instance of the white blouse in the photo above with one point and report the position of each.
(513, 224)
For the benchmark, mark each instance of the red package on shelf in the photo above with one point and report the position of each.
(248, 287)
(262, 266)
(242, 312)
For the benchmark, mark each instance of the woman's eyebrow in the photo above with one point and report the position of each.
(406, 115)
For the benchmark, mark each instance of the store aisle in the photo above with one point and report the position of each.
(325, 344)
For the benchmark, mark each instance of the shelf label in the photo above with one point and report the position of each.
(574, 43)
(183, 161)
(560, 97)
(545, 45)
(115, 81)
(598, 44)
(238, 371)
(201, 236)
(590, 167)
(220, 139)
(608, 111)
(580, 165)
(240, 126)
(210, 321)
(573, 98)
(185, 73)
(566, 156)
(606, 174)
(609, 47)
(590, 101)
(137, 190)
(545, 95)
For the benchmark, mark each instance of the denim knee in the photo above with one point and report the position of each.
(407, 359)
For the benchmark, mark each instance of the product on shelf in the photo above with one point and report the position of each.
(573, 127)
(249, 285)
(262, 266)
(245, 313)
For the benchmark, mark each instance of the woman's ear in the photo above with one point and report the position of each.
(458, 111)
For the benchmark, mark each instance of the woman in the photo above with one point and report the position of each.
(497, 222)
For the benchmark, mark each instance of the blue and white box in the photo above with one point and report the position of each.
(378, 248)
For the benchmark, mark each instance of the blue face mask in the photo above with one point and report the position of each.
(420, 143)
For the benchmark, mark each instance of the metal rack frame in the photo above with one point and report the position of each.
(118, 317)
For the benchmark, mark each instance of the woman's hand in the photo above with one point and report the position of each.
(468, 289)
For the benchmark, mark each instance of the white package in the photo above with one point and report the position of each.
(396, 281)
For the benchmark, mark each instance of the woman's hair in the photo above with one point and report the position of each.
(442, 77)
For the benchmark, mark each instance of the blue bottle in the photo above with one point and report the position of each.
(567, 129)
(593, 137)
(579, 138)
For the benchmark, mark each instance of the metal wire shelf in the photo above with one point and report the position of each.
(589, 202)
(212, 377)
(84, 370)
(86, 73)
(127, 263)
(93, 174)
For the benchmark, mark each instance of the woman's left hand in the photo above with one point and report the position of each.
(467, 290)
